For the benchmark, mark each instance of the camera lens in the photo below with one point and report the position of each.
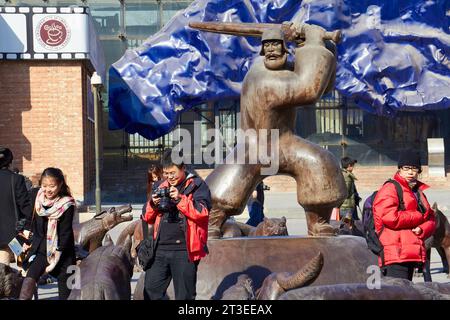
(165, 204)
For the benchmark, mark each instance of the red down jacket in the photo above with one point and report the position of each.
(394, 227)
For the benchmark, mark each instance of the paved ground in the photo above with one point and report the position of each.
(284, 204)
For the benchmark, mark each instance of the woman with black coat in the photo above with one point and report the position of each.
(53, 246)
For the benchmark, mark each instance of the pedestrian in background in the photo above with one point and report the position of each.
(154, 174)
(348, 209)
(255, 205)
(14, 204)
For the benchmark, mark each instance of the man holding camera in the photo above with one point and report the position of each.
(179, 210)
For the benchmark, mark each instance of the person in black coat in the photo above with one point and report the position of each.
(53, 247)
(14, 204)
(255, 205)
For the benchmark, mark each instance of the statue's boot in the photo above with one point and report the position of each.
(216, 219)
(28, 289)
(319, 224)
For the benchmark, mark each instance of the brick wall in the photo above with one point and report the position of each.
(43, 119)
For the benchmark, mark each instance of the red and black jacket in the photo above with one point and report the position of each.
(195, 204)
(394, 226)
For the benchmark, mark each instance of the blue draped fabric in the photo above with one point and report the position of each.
(394, 57)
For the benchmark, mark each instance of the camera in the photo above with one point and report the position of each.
(165, 204)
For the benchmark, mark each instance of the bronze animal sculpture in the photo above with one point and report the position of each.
(138, 293)
(230, 229)
(349, 228)
(107, 241)
(440, 240)
(271, 93)
(276, 283)
(269, 227)
(89, 235)
(134, 230)
(10, 282)
(390, 289)
(242, 290)
(105, 274)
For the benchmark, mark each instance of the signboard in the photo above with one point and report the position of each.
(49, 33)
(55, 33)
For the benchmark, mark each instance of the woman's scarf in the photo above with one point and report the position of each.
(55, 209)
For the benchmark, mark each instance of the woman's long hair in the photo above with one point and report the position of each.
(58, 175)
(153, 169)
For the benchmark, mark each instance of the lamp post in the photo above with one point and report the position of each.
(96, 82)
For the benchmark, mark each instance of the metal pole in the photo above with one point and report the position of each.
(159, 18)
(97, 151)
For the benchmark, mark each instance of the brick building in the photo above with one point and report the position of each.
(46, 108)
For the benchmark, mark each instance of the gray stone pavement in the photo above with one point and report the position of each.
(285, 204)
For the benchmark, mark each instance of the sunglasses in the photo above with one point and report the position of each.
(413, 169)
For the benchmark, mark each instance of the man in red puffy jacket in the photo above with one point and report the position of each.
(402, 232)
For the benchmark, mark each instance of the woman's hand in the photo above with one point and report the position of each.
(26, 234)
(417, 230)
(56, 256)
(25, 247)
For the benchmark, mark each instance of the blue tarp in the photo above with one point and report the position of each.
(395, 56)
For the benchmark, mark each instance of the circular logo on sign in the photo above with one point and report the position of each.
(53, 33)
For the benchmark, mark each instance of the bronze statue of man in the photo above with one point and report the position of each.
(271, 92)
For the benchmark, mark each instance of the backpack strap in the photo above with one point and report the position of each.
(144, 229)
(398, 188)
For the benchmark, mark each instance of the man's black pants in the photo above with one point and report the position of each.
(170, 265)
(400, 270)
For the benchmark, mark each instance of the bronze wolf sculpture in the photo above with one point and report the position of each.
(105, 274)
(89, 235)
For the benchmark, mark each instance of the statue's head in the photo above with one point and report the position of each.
(273, 49)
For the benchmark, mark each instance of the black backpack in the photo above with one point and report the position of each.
(372, 238)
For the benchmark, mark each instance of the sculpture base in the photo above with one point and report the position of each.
(346, 259)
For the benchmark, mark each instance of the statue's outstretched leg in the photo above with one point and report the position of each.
(318, 221)
(231, 185)
(217, 217)
(320, 184)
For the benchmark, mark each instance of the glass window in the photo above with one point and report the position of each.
(141, 19)
(106, 15)
(169, 9)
